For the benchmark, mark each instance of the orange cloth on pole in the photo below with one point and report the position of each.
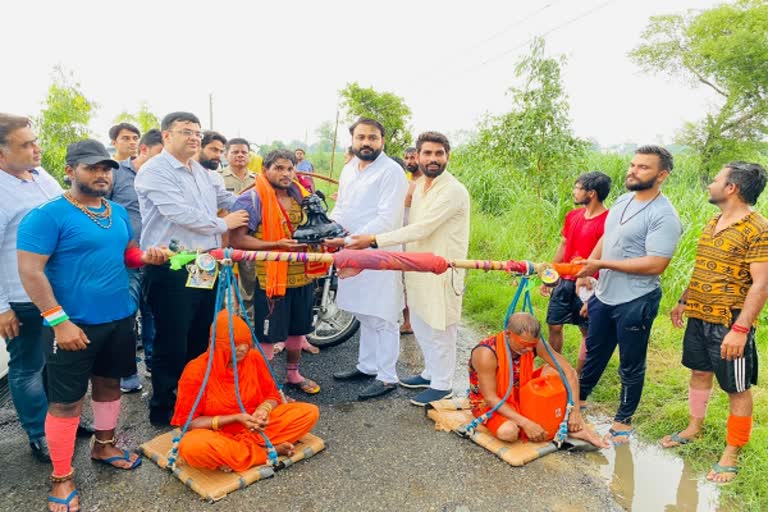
(739, 430)
(567, 269)
(219, 399)
(203, 448)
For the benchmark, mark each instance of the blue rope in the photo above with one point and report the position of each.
(225, 285)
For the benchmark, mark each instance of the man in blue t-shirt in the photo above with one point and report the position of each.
(73, 252)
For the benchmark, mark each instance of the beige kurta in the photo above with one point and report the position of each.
(439, 223)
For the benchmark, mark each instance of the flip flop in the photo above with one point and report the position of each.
(305, 386)
(676, 438)
(620, 433)
(719, 470)
(65, 501)
(125, 456)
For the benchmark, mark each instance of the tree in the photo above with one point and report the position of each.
(324, 134)
(535, 136)
(726, 50)
(63, 120)
(385, 107)
(144, 119)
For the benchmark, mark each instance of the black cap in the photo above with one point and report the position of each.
(89, 152)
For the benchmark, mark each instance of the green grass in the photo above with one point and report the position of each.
(510, 220)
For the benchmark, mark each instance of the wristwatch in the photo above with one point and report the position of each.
(374, 245)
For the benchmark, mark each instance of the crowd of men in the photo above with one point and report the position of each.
(78, 265)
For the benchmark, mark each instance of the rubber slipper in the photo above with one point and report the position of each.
(620, 433)
(125, 456)
(65, 501)
(676, 438)
(719, 470)
(305, 386)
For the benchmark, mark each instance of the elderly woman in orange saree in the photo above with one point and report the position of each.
(220, 436)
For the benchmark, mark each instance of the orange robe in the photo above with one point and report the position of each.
(234, 446)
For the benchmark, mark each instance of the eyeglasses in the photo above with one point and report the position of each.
(189, 133)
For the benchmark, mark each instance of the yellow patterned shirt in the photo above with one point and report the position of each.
(297, 275)
(721, 277)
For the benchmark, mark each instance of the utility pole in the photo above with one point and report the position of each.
(210, 111)
(335, 134)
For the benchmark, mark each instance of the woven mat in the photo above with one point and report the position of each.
(213, 485)
(449, 415)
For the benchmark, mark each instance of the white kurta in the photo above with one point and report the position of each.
(438, 223)
(371, 202)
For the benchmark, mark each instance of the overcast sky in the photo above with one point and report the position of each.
(275, 68)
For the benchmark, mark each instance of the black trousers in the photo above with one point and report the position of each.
(627, 325)
(183, 319)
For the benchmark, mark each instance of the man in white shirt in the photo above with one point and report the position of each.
(438, 222)
(371, 195)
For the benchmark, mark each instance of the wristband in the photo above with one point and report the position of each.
(132, 257)
(740, 329)
(215, 423)
(54, 316)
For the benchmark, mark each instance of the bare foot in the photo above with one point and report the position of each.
(308, 347)
(278, 347)
(62, 490)
(105, 451)
(588, 435)
(284, 449)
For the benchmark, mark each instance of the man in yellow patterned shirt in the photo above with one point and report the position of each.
(728, 288)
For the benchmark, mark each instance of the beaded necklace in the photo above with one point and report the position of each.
(96, 217)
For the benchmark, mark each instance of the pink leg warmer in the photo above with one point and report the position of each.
(105, 414)
(583, 350)
(698, 400)
(269, 350)
(60, 434)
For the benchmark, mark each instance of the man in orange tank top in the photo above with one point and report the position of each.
(490, 371)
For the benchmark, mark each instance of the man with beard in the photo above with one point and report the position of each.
(411, 160)
(582, 229)
(438, 223)
(211, 150)
(411, 166)
(372, 191)
(179, 199)
(124, 193)
(728, 289)
(73, 252)
(282, 301)
(125, 139)
(641, 234)
(303, 165)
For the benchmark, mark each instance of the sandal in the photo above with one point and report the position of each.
(126, 456)
(719, 470)
(64, 501)
(675, 438)
(613, 434)
(307, 386)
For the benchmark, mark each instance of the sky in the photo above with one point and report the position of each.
(274, 69)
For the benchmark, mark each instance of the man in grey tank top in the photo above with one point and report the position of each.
(641, 233)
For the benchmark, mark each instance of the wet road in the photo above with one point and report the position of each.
(380, 455)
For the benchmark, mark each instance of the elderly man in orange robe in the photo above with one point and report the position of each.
(220, 435)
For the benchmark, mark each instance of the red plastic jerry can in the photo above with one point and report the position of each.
(543, 401)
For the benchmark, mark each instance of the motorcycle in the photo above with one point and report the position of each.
(333, 326)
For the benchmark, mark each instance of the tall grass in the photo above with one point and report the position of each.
(510, 220)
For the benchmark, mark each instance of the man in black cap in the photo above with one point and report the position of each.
(73, 254)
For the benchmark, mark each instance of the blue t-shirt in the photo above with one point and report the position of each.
(86, 267)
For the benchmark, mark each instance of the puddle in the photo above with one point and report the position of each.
(645, 477)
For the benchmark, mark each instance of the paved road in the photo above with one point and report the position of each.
(381, 455)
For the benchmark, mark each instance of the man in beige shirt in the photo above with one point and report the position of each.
(237, 176)
(438, 223)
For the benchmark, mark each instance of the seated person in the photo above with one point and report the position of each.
(220, 436)
(489, 381)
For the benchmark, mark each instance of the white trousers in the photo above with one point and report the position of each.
(439, 351)
(379, 347)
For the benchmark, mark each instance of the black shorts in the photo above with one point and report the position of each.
(701, 351)
(277, 318)
(111, 354)
(565, 305)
